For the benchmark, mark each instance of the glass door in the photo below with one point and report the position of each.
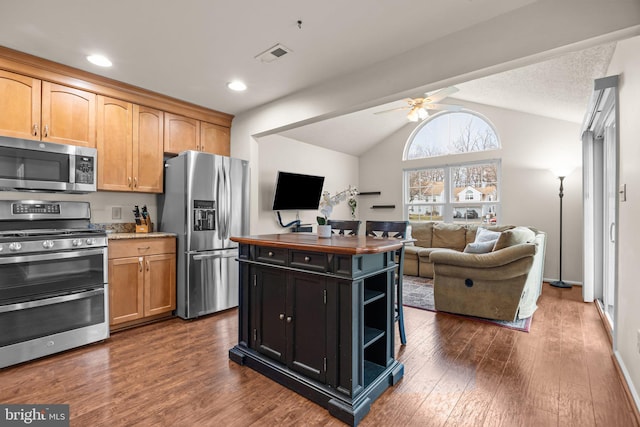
(610, 215)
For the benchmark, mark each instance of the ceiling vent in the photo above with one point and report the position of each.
(273, 53)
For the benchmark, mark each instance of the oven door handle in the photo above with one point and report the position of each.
(50, 301)
(51, 256)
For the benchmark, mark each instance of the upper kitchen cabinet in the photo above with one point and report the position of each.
(20, 105)
(215, 139)
(184, 133)
(129, 142)
(68, 115)
(180, 133)
(36, 109)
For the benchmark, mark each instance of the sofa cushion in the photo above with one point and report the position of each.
(484, 235)
(450, 236)
(422, 231)
(514, 236)
(480, 247)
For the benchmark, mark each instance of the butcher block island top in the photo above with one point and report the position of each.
(317, 316)
(347, 245)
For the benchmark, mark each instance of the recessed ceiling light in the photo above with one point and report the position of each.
(237, 85)
(101, 61)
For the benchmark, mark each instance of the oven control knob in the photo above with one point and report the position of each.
(76, 242)
(91, 241)
(47, 244)
(15, 247)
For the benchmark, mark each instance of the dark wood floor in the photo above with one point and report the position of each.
(457, 373)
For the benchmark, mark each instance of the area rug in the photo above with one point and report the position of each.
(417, 292)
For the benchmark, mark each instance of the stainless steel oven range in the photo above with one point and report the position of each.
(53, 279)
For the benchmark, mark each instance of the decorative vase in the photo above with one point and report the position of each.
(324, 231)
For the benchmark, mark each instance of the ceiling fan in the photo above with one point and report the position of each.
(421, 108)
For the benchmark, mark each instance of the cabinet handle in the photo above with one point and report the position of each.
(307, 259)
(289, 319)
(270, 253)
(140, 263)
(46, 130)
(135, 182)
(147, 265)
(281, 316)
(35, 129)
(146, 248)
(129, 182)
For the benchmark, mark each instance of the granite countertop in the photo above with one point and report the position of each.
(152, 235)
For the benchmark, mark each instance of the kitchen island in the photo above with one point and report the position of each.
(317, 316)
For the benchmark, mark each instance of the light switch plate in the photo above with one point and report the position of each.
(116, 212)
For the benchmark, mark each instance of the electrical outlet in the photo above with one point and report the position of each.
(116, 212)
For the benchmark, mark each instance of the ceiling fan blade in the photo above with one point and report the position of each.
(449, 107)
(393, 109)
(441, 94)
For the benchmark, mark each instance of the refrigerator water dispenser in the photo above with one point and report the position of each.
(204, 214)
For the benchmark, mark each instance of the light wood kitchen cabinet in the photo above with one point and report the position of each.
(68, 115)
(180, 133)
(215, 139)
(142, 280)
(40, 110)
(183, 133)
(20, 98)
(130, 146)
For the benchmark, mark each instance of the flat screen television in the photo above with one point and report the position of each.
(296, 191)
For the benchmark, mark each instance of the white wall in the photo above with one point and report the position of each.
(277, 153)
(626, 63)
(530, 146)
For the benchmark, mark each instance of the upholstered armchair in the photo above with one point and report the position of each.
(503, 284)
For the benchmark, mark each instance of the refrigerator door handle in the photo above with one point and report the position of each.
(219, 206)
(228, 205)
(216, 254)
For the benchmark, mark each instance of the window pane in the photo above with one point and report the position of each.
(475, 183)
(452, 133)
(425, 212)
(426, 185)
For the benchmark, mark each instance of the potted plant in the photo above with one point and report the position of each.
(327, 202)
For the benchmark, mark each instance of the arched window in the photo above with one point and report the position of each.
(451, 132)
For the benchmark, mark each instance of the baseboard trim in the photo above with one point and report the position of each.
(630, 391)
(571, 282)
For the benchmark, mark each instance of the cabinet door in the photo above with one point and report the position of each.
(270, 313)
(126, 279)
(180, 133)
(148, 125)
(159, 284)
(68, 115)
(115, 156)
(19, 106)
(307, 330)
(215, 139)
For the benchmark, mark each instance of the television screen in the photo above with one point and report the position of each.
(296, 191)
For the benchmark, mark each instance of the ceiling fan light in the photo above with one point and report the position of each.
(422, 113)
(413, 115)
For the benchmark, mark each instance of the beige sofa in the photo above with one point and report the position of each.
(503, 284)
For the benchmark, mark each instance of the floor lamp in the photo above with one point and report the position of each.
(560, 283)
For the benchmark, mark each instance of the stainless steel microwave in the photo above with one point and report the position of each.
(27, 165)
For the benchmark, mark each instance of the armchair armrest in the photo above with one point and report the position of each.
(489, 260)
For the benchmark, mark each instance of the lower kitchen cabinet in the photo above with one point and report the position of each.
(142, 280)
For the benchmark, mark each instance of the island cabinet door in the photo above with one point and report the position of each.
(269, 308)
(306, 322)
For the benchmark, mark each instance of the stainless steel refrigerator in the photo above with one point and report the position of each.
(206, 201)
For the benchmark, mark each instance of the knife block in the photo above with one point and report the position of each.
(146, 226)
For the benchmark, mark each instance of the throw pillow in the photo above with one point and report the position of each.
(484, 235)
(514, 236)
(480, 247)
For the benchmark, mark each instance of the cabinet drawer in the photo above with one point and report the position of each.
(271, 255)
(315, 261)
(141, 247)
